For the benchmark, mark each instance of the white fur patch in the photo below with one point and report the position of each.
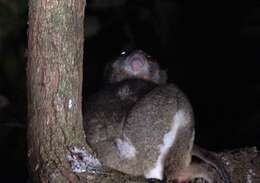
(168, 140)
(126, 149)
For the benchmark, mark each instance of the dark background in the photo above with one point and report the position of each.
(210, 49)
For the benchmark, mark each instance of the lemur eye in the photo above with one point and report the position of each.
(123, 53)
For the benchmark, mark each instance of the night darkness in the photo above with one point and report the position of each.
(211, 50)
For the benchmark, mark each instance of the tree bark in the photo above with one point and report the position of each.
(54, 72)
(243, 165)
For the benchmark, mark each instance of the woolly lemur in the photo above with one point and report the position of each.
(140, 125)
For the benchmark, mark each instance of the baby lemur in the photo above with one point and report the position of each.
(140, 125)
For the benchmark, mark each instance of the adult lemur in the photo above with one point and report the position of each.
(141, 125)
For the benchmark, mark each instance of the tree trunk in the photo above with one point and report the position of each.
(54, 74)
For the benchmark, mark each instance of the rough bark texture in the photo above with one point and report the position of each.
(243, 165)
(54, 74)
